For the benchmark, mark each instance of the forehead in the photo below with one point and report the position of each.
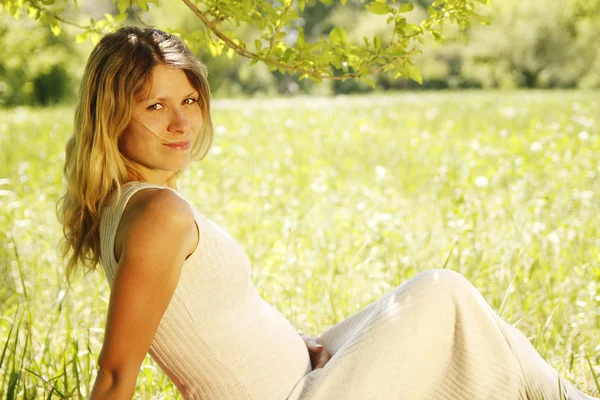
(166, 82)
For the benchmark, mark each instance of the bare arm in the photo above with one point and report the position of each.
(149, 268)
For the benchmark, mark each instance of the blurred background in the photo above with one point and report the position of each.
(337, 193)
(532, 44)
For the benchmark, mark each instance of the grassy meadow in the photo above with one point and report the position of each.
(336, 202)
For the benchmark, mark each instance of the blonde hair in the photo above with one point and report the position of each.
(117, 70)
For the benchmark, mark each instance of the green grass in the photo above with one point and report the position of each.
(336, 202)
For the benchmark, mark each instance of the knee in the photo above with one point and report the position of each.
(444, 282)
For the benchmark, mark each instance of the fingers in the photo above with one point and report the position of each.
(312, 345)
(317, 348)
(320, 358)
(323, 359)
(318, 355)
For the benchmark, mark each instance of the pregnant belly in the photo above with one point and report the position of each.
(284, 358)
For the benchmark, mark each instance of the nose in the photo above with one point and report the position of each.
(179, 122)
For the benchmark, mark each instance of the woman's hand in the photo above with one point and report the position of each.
(319, 356)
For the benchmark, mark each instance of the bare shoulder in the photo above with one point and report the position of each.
(154, 218)
(158, 231)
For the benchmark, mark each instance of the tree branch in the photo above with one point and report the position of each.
(278, 26)
(54, 16)
(248, 54)
(137, 16)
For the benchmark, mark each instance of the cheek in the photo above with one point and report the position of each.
(130, 142)
(125, 146)
(195, 118)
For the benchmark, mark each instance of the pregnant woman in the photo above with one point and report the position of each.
(181, 288)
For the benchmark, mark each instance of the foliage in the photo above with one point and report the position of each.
(35, 65)
(282, 45)
(530, 44)
(336, 202)
(535, 44)
(587, 8)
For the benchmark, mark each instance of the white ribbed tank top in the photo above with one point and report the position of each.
(218, 338)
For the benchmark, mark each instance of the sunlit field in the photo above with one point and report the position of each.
(336, 202)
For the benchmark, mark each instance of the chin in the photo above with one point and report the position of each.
(180, 167)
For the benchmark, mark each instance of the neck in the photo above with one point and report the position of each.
(170, 181)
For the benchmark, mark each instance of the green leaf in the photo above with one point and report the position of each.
(300, 39)
(142, 4)
(400, 71)
(268, 8)
(45, 19)
(343, 2)
(258, 45)
(316, 79)
(338, 36)
(288, 55)
(34, 13)
(55, 28)
(378, 8)
(438, 38)
(396, 51)
(95, 38)
(400, 25)
(109, 18)
(377, 42)
(336, 61)
(123, 5)
(82, 37)
(368, 81)
(404, 8)
(415, 74)
(12, 9)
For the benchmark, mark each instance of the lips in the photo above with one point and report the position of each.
(179, 145)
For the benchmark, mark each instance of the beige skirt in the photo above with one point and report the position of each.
(433, 337)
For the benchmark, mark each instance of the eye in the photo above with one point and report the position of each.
(190, 100)
(156, 106)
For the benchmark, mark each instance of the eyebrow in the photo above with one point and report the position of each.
(164, 98)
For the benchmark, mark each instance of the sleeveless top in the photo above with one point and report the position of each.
(218, 338)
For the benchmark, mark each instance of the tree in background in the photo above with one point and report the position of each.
(35, 65)
(535, 44)
(281, 44)
(529, 44)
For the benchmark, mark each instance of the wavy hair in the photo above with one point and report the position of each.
(118, 69)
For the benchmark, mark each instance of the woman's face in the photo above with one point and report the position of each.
(164, 118)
